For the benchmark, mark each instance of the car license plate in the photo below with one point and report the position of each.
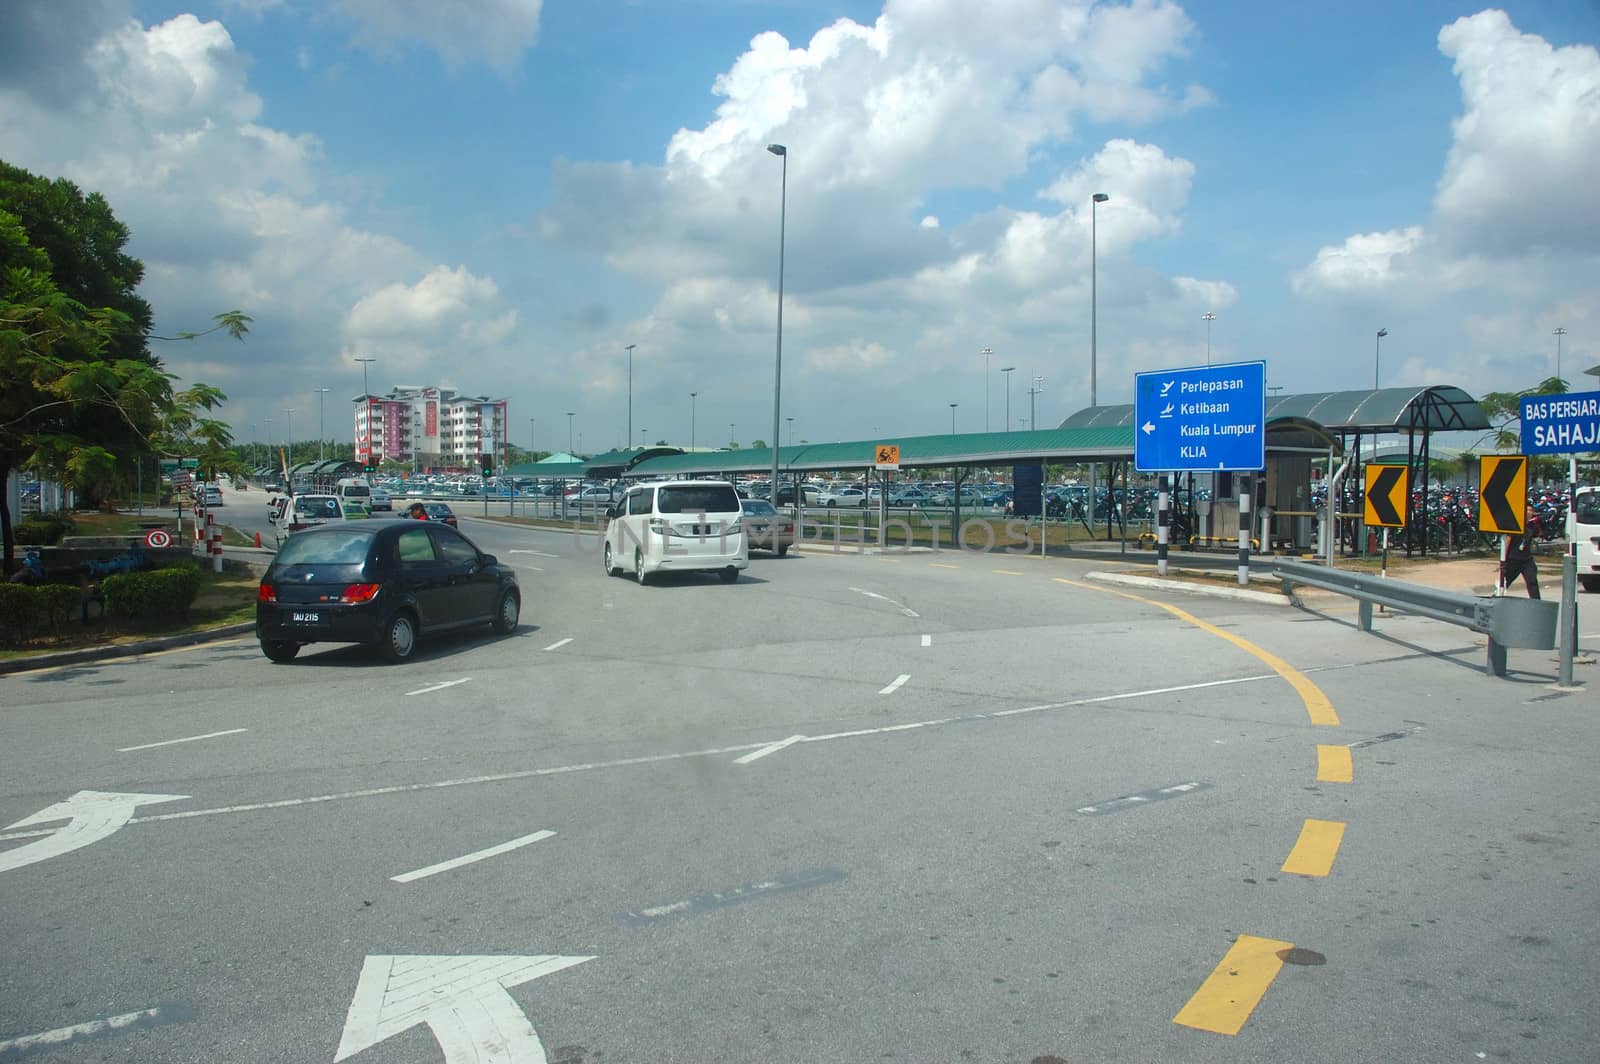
(306, 618)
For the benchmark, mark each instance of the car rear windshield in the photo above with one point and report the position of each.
(694, 499)
(758, 506)
(325, 548)
(316, 506)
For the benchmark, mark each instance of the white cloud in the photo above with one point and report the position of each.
(460, 31)
(1366, 260)
(857, 358)
(449, 317)
(1522, 168)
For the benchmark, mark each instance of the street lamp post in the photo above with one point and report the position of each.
(1208, 318)
(288, 435)
(790, 420)
(366, 405)
(630, 390)
(953, 418)
(730, 434)
(986, 353)
(777, 372)
(1377, 351)
(1558, 334)
(570, 416)
(321, 432)
(691, 419)
(1094, 298)
(1007, 370)
(1033, 393)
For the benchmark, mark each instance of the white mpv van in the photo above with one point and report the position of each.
(1583, 528)
(677, 526)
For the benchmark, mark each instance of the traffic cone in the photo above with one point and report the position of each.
(258, 539)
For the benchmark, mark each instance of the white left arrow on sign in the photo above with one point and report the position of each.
(463, 1000)
(90, 817)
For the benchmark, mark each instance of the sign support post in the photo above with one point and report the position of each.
(1163, 525)
(1246, 491)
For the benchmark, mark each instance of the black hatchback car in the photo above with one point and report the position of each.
(383, 583)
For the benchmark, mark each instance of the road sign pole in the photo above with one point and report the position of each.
(1246, 490)
(1163, 525)
(1569, 614)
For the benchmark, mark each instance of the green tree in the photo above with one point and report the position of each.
(82, 392)
(1504, 411)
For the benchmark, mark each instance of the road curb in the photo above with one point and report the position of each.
(1263, 598)
(125, 650)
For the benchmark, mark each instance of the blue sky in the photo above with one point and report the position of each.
(501, 194)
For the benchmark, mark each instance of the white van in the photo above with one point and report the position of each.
(1583, 528)
(354, 490)
(677, 526)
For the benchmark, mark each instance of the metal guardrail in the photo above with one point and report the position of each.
(1508, 622)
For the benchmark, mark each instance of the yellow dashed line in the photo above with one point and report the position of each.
(1334, 764)
(1006, 572)
(1318, 707)
(942, 565)
(1318, 845)
(1235, 986)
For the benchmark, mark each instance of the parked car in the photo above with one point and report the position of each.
(843, 497)
(765, 528)
(382, 583)
(677, 526)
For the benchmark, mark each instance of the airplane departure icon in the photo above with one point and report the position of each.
(1167, 387)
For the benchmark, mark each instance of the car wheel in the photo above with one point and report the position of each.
(638, 567)
(279, 650)
(505, 615)
(612, 569)
(783, 548)
(399, 640)
(729, 575)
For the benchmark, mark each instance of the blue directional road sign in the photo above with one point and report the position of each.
(1561, 424)
(1201, 418)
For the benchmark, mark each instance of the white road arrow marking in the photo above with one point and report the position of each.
(90, 816)
(463, 1000)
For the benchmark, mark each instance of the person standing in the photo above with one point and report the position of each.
(1519, 558)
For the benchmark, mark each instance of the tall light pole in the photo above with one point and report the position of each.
(364, 363)
(790, 420)
(630, 390)
(1033, 393)
(691, 419)
(532, 450)
(643, 434)
(321, 432)
(1208, 318)
(570, 416)
(366, 405)
(1558, 334)
(288, 435)
(777, 371)
(1094, 298)
(255, 438)
(986, 352)
(1377, 351)
(953, 418)
(1007, 370)
(730, 434)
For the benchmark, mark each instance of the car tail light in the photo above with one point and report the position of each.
(358, 593)
(298, 527)
(266, 593)
(788, 526)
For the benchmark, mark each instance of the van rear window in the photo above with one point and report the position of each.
(1588, 508)
(686, 499)
(356, 493)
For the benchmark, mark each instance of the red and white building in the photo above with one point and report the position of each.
(430, 427)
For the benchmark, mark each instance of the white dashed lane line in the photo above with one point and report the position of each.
(897, 683)
(558, 644)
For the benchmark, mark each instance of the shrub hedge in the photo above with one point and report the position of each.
(43, 530)
(157, 595)
(27, 611)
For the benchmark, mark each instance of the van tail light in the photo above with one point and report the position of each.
(266, 593)
(357, 593)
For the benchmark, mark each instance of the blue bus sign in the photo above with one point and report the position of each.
(1561, 424)
(1204, 418)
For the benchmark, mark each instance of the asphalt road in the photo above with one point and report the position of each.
(912, 807)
